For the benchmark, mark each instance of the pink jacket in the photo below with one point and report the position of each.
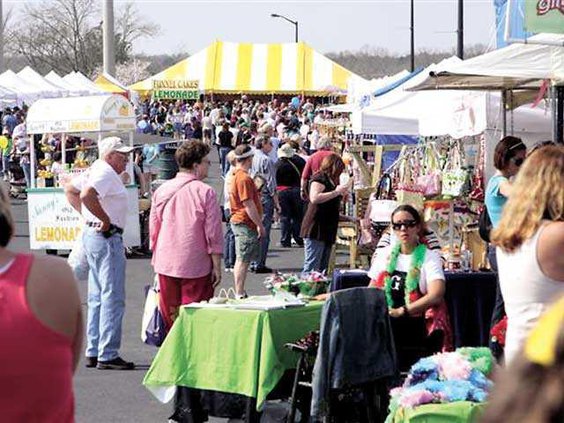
(185, 227)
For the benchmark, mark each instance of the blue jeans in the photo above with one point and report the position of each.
(106, 293)
(223, 151)
(26, 167)
(267, 215)
(229, 246)
(316, 255)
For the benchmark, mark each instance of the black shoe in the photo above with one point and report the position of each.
(285, 245)
(115, 364)
(263, 269)
(91, 362)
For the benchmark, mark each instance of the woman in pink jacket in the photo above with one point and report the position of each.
(185, 233)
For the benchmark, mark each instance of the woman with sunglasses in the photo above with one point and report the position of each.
(509, 155)
(412, 278)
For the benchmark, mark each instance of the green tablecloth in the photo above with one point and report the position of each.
(456, 412)
(229, 350)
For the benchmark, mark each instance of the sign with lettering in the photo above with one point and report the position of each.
(176, 90)
(55, 225)
(544, 16)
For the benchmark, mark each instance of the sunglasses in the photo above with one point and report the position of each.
(406, 223)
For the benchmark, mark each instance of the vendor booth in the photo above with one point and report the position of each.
(53, 223)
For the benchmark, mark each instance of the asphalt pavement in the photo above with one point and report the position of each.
(119, 396)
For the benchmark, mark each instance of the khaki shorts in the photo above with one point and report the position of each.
(246, 242)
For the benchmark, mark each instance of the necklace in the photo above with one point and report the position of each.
(384, 280)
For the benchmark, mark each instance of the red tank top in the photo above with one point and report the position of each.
(35, 361)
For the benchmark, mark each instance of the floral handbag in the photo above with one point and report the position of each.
(454, 176)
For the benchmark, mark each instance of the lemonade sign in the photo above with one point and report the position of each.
(176, 90)
(544, 16)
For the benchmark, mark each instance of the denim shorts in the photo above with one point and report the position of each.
(246, 242)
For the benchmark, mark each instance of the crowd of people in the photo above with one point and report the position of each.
(276, 167)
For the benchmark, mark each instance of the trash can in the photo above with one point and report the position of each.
(166, 163)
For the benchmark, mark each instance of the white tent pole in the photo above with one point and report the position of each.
(32, 160)
(64, 149)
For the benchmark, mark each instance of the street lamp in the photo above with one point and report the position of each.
(295, 23)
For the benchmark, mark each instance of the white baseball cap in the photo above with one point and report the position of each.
(109, 144)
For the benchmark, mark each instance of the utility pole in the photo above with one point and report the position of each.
(109, 38)
(412, 35)
(460, 31)
(2, 29)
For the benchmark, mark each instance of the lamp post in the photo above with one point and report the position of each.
(295, 23)
(412, 37)
(108, 38)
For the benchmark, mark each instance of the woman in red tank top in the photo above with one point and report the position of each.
(41, 333)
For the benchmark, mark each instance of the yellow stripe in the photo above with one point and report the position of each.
(300, 67)
(210, 63)
(244, 59)
(175, 72)
(308, 69)
(340, 76)
(273, 67)
(217, 65)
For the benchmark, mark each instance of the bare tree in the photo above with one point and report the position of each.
(66, 35)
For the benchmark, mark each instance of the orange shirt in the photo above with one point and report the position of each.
(243, 188)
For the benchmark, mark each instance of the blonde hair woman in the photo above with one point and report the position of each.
(530, 244)
(41, 327)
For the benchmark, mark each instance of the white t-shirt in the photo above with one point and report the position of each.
(111, 192)
(431, 270)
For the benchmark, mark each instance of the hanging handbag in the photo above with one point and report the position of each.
(381, 206)
(484, 224)
(430, 181)
(153, 329)
(407, 191)
(478, 189)
(455, 177)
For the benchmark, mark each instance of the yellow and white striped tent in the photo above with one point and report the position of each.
(233, 68)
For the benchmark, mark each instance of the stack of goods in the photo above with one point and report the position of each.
(305, 285)
(445, 378)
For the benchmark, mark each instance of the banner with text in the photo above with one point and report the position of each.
(544, 16)
(55, 225)
(176, 90)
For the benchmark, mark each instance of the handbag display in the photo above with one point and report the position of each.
(430, 181)
(381, 206)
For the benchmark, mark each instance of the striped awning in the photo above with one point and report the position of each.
(291, 68)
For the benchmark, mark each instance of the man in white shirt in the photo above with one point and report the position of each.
(100, 196)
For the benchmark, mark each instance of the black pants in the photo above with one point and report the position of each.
(499, 307)
(291, 215)
(412, 342)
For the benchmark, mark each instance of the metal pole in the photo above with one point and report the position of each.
(460, 31)
(412, 35)
(557, 94)
(109, 38)
(297, 38)
(503, 113)
(2, 29)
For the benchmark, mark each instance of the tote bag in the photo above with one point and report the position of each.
(153, 330)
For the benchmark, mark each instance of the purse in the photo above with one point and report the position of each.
(430, 182)
(381, 206)
(407, 191)
(153, 329)
(455, 177)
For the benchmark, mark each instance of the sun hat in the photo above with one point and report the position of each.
(286, 151)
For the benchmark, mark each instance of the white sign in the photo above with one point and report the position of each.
(55, 225)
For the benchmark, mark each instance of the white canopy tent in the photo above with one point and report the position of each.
(8, 98)
(80, 81)
(517, 66)
(49, 90)
(358, 88)
(58, 81)
(27, 92)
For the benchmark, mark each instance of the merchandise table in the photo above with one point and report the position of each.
(470, 298)
(455, 412)
(230, 350)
